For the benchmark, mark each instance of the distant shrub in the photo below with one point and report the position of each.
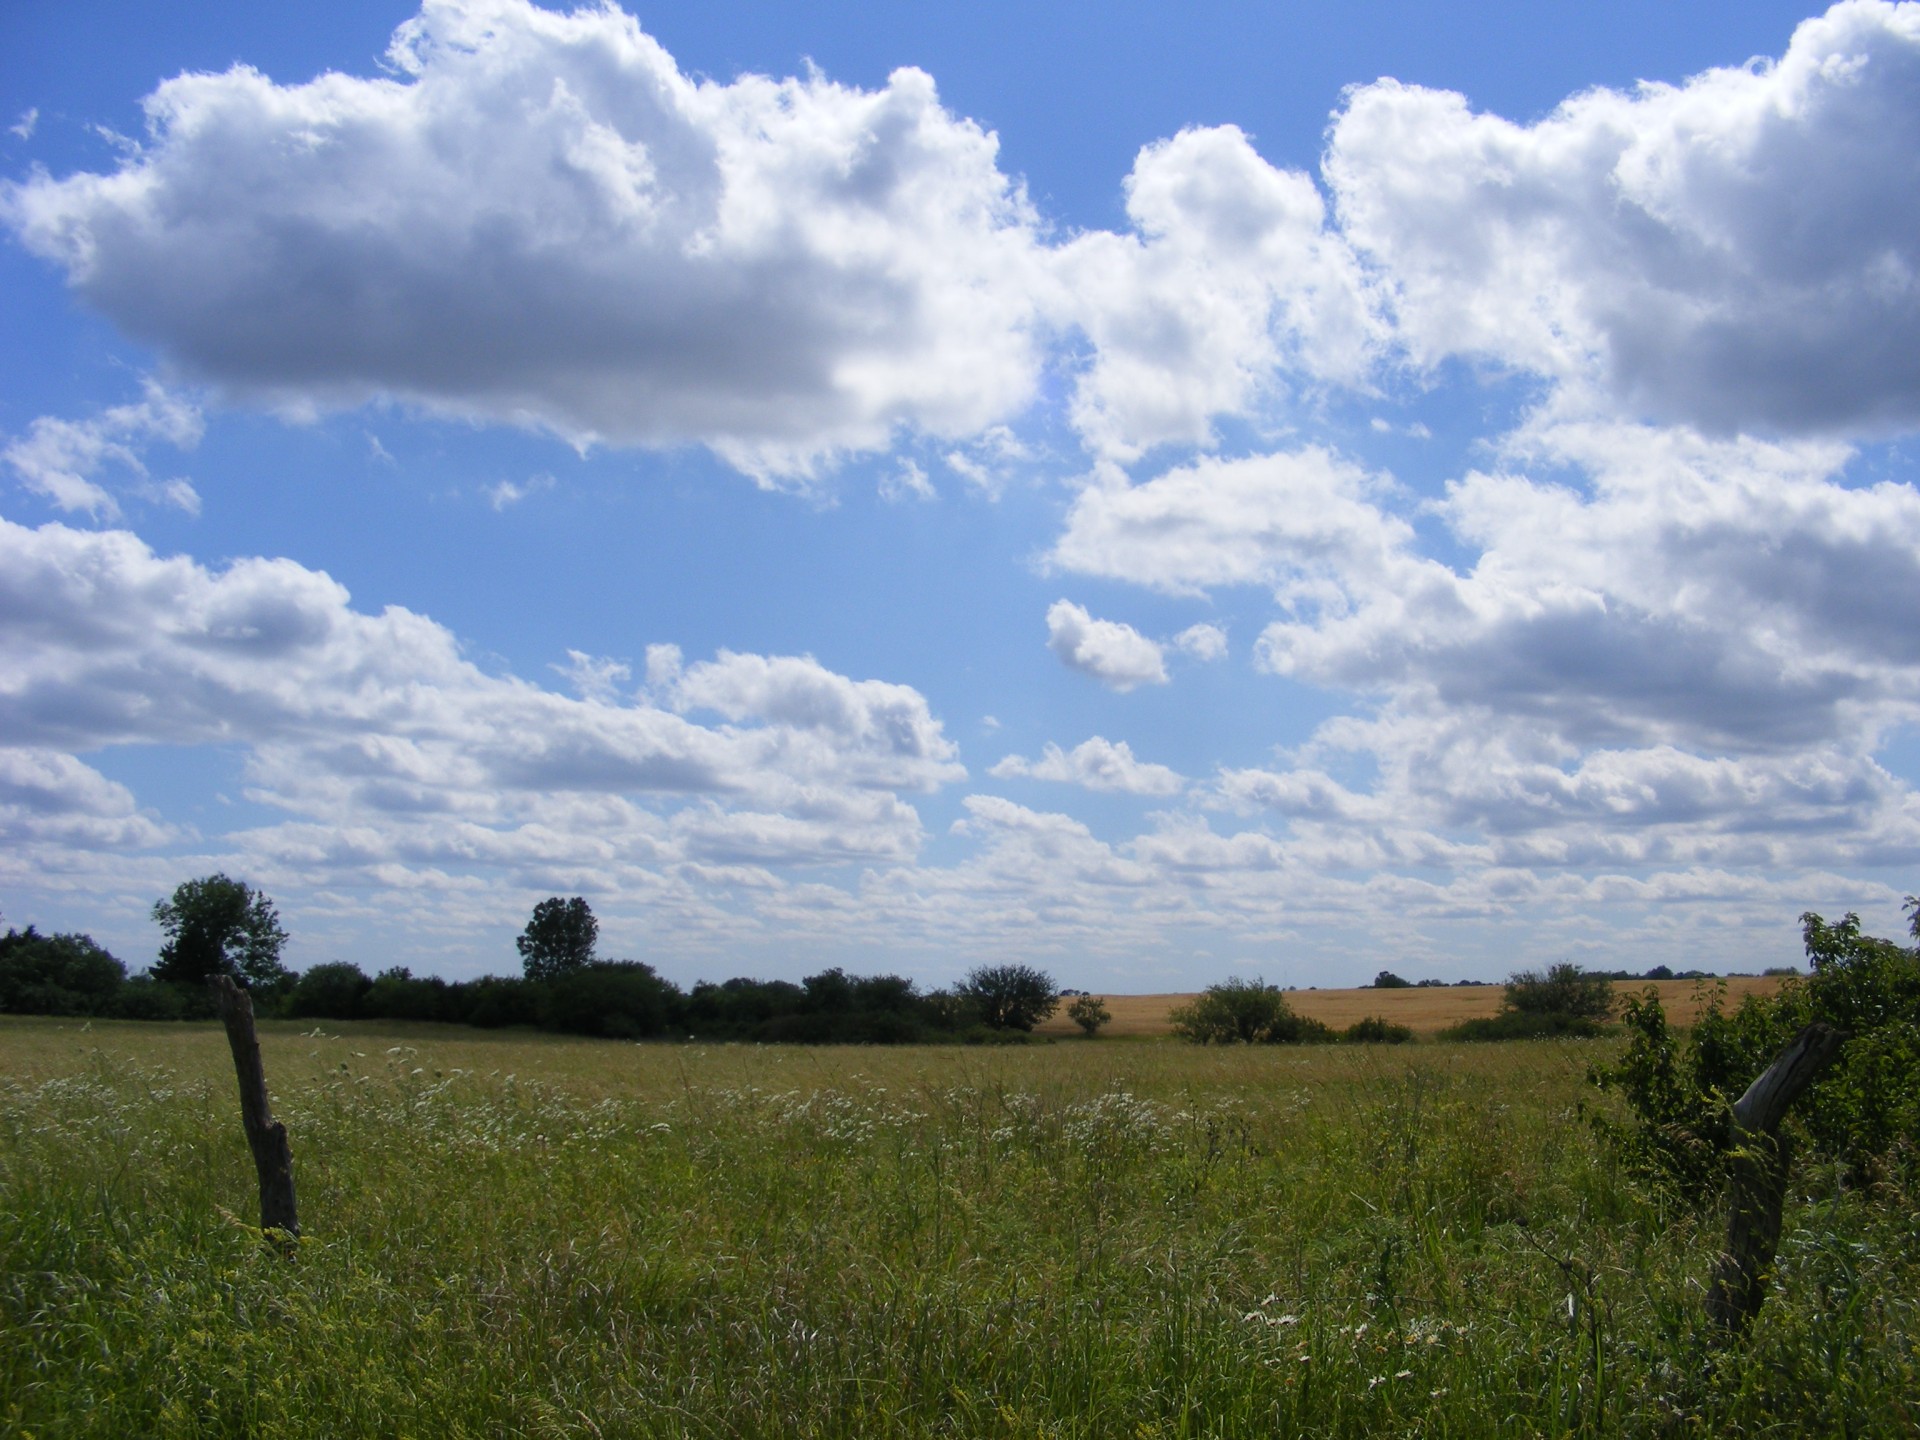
(1376, 1030)
(145, 998)
(493, 1001)
(1089, 1012)
(620, 999)
(734, 1008)
(398, 994)
(1248, 1012)
(1565, 989)
(1525, 1025)
(333, 991)
(1387, 980)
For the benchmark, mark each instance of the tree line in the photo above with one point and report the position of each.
(218, 925)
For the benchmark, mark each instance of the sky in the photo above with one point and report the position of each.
(1156, 493)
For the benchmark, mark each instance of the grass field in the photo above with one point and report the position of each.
(526, 1235)
(1424, 1010)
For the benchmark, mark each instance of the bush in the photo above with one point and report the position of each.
(1089, 1012)
(1248, 1012)
(398, 994)
(334, 991)
(735, 1008)
(492, 1002)
(1525, 1025)
(1863, 1112)
(1387, 980)
(1565, 989)
(56, 974)
(145, 998)
(621, 999)
(1376, 1030)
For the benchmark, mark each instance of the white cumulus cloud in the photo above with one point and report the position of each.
(64, 460)
(537, 218)
(1095, 764)
(1115, 654)
(1737, 252)
(1229, 278)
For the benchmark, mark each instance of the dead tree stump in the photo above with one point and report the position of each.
(1757, 1182)
(266, 1137)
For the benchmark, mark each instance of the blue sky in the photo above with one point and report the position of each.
(1157, 493)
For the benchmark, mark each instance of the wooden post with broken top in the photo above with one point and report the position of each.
(1757, 1189)
(266, 1137)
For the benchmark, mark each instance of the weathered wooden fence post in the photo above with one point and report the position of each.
(266, 1137)
(1757, 1189)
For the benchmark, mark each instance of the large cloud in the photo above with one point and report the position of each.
(1739, 252)
(1286, 521)
(1715, 596)
(378, 723)
(540, 219)
(1229, 279)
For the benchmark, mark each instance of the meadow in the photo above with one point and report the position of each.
(516, 1234)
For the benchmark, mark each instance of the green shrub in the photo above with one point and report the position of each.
(334, 991)
(1377, 1030)
(1089, 1012)
(145, 998)
(495, 1001)
(1524, 1025)
(1565, 989)
(399, 994)
(1863, 1113)
(1248, 1012)
(621, 999)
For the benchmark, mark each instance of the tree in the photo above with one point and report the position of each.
(1010, 997)
(1089, 1012)
(1387, 980)
(56, 974)
(219, 926)
(559, 938)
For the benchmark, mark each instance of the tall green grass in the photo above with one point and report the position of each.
(527, 1236)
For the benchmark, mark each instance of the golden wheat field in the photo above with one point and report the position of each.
(1423, 1009)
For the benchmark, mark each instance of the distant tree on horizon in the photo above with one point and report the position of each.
(217, 925)
(559, 938)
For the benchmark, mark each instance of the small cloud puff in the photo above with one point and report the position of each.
(64, 460)
(1116, 655)
(1202, 641)
(1095, 764)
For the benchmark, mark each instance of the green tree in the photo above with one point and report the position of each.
(1089, 1012)
(1010, 997)
(559, 938)
(1387, 980)
(219, 926)
(56, 974)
